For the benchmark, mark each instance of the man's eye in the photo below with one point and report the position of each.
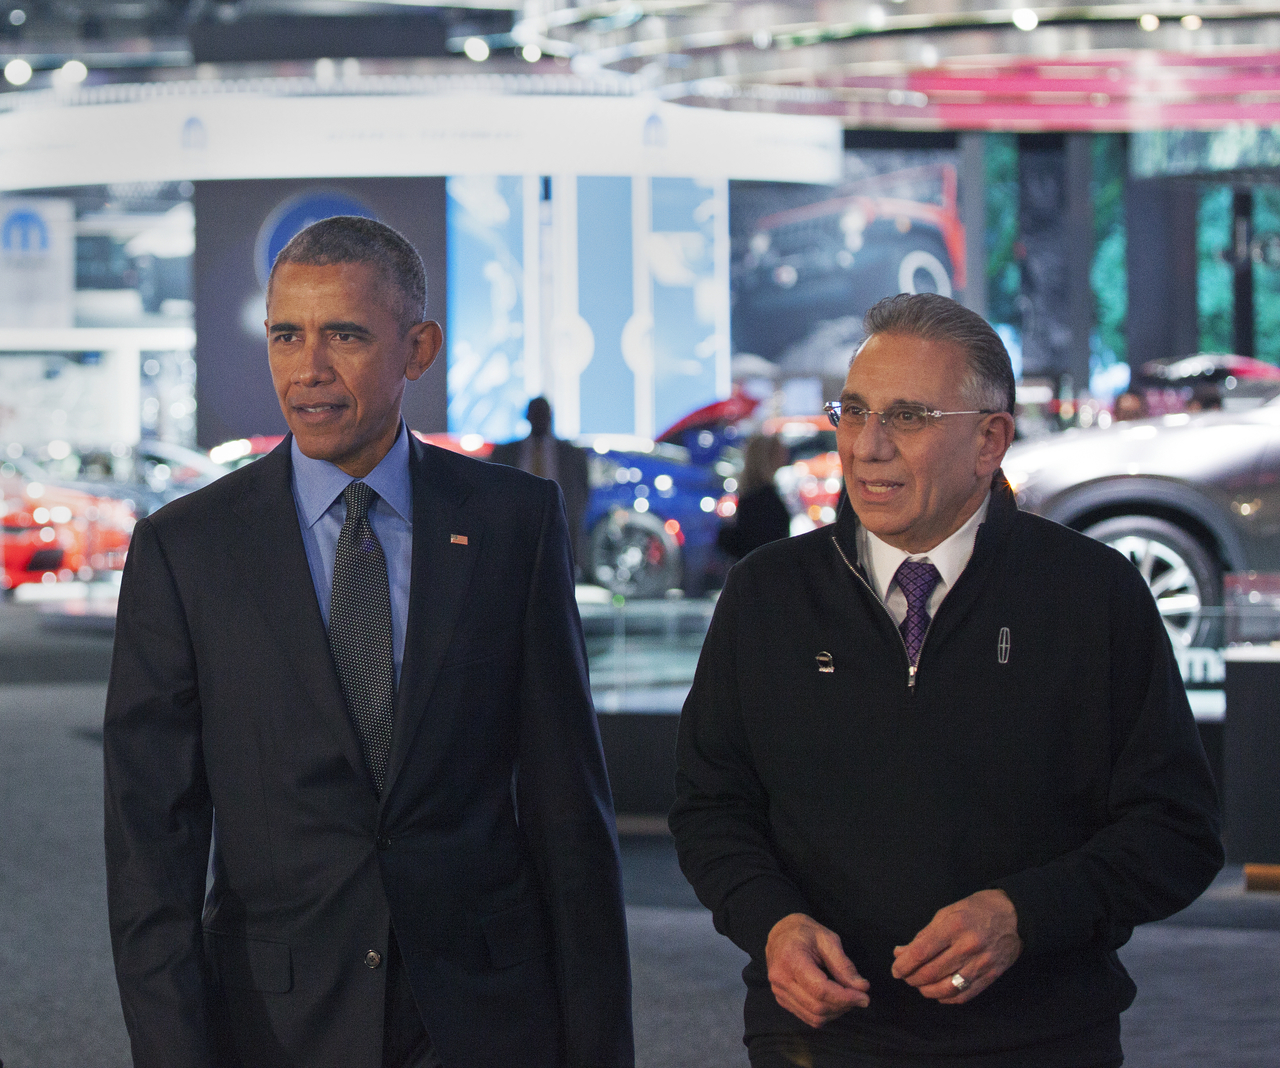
(852, 411)
(344, 337)
(907, 417)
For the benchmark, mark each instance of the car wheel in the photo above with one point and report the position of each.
(922, 272)
(1181, 573)
(631, 553)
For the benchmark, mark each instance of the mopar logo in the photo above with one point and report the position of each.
(24, 231)
(295, 214)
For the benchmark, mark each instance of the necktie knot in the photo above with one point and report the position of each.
(916, 579)
(358, 496)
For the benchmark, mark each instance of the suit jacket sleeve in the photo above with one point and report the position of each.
(1159, 847)
(721, 816)
(158, 816)
(566, 812)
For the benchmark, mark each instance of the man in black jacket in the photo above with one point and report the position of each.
(937, 761)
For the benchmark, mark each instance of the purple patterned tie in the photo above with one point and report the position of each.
(916, 579)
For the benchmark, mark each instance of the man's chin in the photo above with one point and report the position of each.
(321, 446)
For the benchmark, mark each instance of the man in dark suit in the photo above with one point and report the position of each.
(356, 668)
(545, 455)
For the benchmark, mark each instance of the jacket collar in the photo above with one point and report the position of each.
(444, 511)
(1000, 516)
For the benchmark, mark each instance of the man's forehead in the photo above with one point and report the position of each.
(907, 365)
(339, 285)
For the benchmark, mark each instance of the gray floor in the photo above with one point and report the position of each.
(1209, 980)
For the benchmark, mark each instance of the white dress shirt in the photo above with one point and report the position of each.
(950, 556)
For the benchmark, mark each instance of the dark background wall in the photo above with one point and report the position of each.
(233, 386)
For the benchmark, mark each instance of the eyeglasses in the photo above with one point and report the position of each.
(898, 418)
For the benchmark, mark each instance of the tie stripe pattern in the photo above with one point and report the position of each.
(360, 631)
(916, 579)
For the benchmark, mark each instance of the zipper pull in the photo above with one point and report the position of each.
(911, 677)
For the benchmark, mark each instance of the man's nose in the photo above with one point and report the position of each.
(313, 367)
(873, 441)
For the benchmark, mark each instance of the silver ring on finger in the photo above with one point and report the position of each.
(959, 982)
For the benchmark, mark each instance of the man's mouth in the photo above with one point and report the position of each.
(317, 408)
(878, 487)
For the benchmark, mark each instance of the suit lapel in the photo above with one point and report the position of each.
(273, 563)
(440, 574)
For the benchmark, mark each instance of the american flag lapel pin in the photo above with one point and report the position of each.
(457, 539)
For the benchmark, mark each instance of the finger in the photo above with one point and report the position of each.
(838, 965)
(946, 992)
(816, 1006)
(927, 945)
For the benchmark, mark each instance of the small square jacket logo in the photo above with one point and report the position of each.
(826, 663)
(457, 539)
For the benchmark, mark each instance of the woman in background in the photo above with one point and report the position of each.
(761, 515)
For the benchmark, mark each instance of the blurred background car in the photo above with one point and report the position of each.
(145, 475)
(897, 232)
(1187, 497)
(53, 534)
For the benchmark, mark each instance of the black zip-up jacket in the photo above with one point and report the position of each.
(1044, 747)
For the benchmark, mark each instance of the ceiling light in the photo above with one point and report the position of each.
(73, 72)
(1025, 19)
(531, 52)
(1192, 22)
(762, 38)
(1149, 22)
(17, 17)
(476, 48)
(17, 72)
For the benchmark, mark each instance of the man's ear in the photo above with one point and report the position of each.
(996, 432)
(426, 340)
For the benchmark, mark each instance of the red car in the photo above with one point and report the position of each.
(52, 534)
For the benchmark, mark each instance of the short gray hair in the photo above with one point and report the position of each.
(354, 239)
(989, 383)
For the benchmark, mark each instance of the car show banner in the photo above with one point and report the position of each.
(37, 262)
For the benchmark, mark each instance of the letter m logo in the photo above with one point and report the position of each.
(24, 231)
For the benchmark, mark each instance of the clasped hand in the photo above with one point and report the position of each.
(812, 978)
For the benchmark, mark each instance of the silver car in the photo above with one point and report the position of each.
(1188, 498)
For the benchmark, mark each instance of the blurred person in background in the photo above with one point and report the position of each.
(545, 455)
(1206, 397)
(761, 517)
(1130, 405)
(937, 760)
(361, 656)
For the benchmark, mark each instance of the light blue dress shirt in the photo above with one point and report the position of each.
(317, 493)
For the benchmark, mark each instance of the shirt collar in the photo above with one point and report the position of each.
(318, 483)
(949, 556)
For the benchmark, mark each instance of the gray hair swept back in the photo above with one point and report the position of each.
(989, 383)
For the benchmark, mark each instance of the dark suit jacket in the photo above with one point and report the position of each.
(492, 850)
(571, 474)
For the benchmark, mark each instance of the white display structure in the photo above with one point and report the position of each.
(204, 131)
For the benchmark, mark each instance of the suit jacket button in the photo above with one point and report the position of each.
(383, 841)
(372, 959)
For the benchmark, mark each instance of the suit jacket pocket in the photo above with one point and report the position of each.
(250, 963)
(515, 935)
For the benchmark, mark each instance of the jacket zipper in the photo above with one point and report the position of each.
(911, 668)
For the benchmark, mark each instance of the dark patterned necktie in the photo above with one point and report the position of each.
(916, 579)
(360, 631)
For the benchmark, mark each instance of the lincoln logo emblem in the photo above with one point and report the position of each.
(1002, 646)
(826, 663)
